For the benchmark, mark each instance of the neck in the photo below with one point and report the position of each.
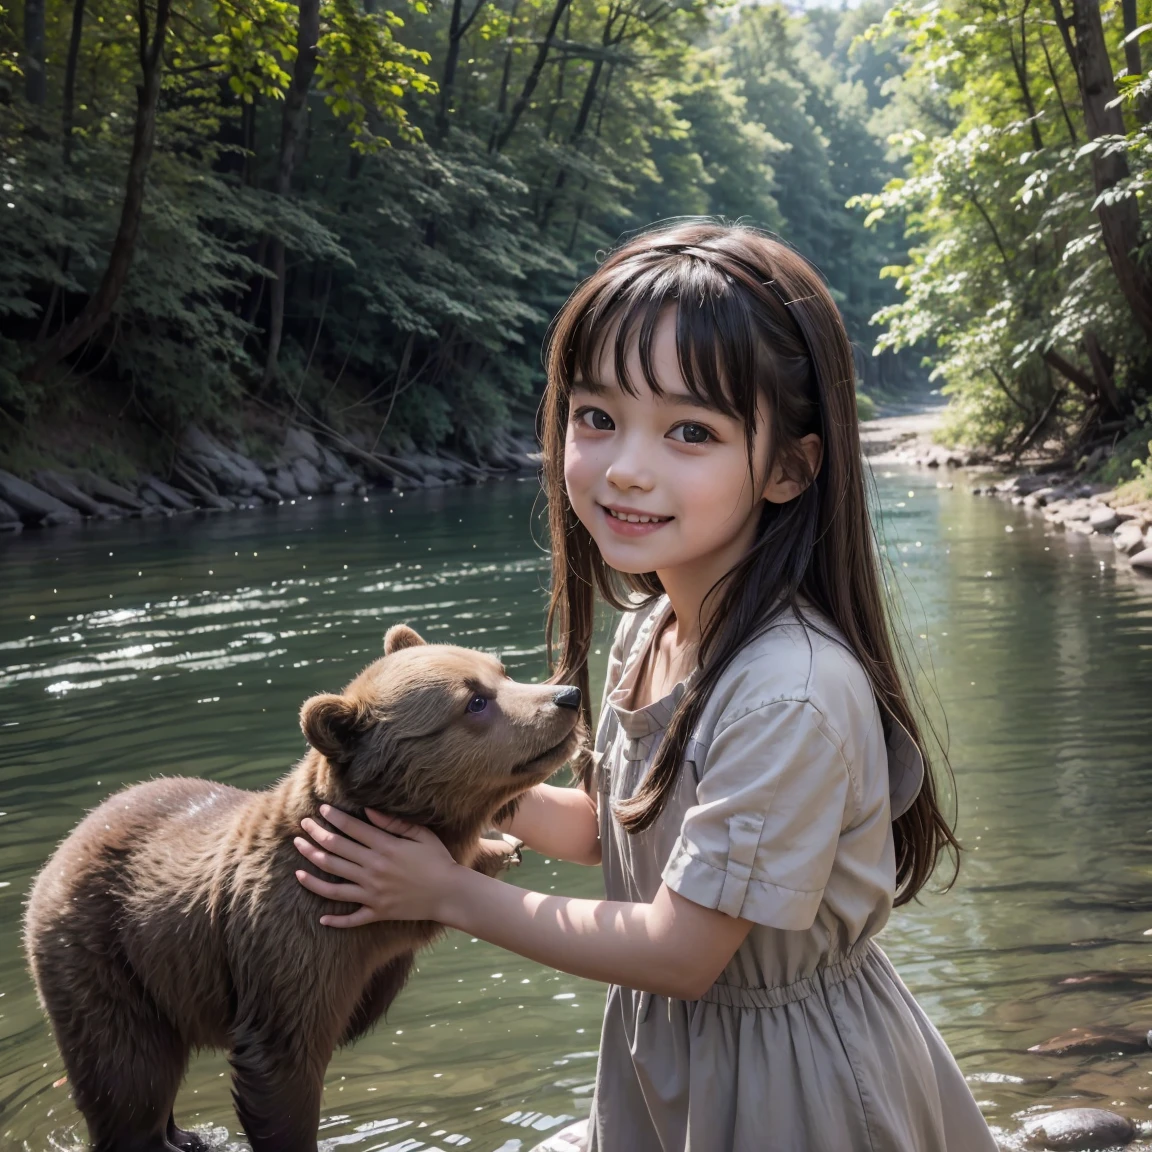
(314, 782)
(688, 585)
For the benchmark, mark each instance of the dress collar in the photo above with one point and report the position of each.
(638, 723)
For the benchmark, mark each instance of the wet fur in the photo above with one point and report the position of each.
(171, 919)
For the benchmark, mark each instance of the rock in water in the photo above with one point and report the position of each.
(1085, 1041)
(106, 490)
(1103, 519)
(1079, 1130)
(285, 483)
(1128, 538)
(34, 505)
(1143, 559)
(574, 1138)
(308, 480)
(63, 489)
(9, 518)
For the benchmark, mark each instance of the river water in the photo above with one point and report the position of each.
(186, 647)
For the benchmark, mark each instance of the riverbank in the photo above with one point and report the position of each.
(207, 475)
(1073, 502)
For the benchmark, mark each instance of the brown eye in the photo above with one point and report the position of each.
(477, 703)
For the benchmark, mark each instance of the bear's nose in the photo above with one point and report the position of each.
(567, 698)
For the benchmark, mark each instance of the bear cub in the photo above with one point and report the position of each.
(171, 918)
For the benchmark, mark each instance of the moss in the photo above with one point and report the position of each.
(865, 407)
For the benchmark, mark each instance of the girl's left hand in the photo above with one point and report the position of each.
(394, 870)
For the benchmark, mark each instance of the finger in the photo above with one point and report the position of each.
(355, 919)
(360, 831)
(350, 849)
(337, 865)
(397, 827)
(332, 890)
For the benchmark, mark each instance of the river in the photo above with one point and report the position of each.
(136, 649)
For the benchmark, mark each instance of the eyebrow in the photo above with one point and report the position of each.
(673, 399)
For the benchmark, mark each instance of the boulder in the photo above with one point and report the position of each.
(335, 467)
(33, 504)
(106, 491)
(344, 487)
(231, 471)
(63, 489)
(1021, 485)
(269, 495)
(1093, 1041)
(300, 442)
(170, 496)
(9, 518)
(1128, 538)
(307, 478)
(1143, 559)
(1083, 527)
(1079, 1130)
(1103, 519)
(1076, 510)
(285, 483)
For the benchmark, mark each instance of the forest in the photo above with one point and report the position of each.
(240, 213)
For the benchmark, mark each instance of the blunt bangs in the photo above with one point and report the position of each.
(720, 334)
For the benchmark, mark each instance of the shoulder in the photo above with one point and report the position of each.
(805, 662)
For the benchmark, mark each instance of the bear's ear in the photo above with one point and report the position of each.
(333, 724)
(400, 636)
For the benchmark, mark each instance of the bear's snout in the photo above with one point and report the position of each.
(567, 697)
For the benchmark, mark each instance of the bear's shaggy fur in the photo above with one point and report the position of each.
(171, 919)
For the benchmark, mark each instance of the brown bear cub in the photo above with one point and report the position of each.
(171, 918)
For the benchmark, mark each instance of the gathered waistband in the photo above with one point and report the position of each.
(826, 976)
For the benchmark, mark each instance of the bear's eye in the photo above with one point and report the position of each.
(477, 703)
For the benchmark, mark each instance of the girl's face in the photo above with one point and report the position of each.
(662, 482)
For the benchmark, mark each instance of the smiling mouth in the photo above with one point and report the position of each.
(635, 517)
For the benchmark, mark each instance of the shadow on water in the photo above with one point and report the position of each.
(138, 649)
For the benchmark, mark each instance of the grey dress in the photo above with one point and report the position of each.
(782, 815)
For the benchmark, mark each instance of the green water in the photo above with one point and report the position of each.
(137, 649)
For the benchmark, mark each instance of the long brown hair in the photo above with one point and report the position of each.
(753, 318)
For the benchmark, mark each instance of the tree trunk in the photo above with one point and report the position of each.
(69, 110)
(532, 79)
(457, 30)
(98, 309)
(1020, 67)
(292, 124)
(1119, 220)
(35, 79)
(1132, 57)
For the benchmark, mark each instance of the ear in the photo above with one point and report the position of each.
(796, 471)
(400, 636)
(332, 725)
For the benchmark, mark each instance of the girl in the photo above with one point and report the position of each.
(756, 796)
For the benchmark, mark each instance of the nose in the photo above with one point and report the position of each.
(567, 697)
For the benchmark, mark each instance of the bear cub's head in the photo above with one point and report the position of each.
(440, 735)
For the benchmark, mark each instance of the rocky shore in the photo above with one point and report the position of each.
(208, 475)
(1068, 501)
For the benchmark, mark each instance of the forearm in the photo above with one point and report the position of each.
(640, 946)
(560, 822)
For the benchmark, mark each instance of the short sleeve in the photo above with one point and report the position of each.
(771, 802)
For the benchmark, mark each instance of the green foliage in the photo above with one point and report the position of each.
(1007, 278)
(865, 406)
(442, 198)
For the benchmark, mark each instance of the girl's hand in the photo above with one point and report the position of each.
(394, 870)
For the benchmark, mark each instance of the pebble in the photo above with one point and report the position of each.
(1079, 1130)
